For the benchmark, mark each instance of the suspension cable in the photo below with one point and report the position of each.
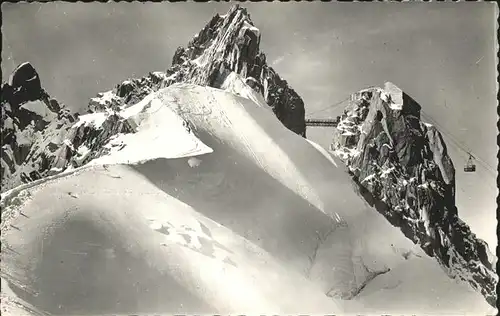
(459, 144)
(330, 106)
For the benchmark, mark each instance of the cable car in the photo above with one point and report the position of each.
(470, 166)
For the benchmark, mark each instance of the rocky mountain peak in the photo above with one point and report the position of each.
(23, 86)
(225, 54)
(399, 162)
(30, 117)
(40, 136)
(232, 38)
(403, 169)
(229, 44)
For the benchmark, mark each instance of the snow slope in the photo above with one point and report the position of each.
(258, 221)
(101, 249)
(39, 108)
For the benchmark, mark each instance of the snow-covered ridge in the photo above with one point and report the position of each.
(285, 229)
(151, 120)
(225, 54)
(210, 223)
(228, 44)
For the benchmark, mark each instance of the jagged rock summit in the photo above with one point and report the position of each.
(225, 54)
(402, 167)
(33, 129)
(41, 137)
(230, 44)
(399, 162)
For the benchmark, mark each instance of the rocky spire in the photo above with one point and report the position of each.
(226, 51)
(31, 123)
(228, 44)
(402, 168)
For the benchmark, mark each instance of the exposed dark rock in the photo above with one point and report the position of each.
(39, 144)
(226, 44)
(24, 132)
(23, 86)
(403, 169)
(400, 164)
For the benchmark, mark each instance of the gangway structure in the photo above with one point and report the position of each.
(321, 122)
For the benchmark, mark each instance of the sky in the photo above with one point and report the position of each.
(441, 54)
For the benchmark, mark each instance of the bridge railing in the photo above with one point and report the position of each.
(321, 122)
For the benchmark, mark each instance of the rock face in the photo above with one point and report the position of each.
(399, 162)
(228, 44)
(41, 137)
(402, 168)
(33, 128)
(227, 47)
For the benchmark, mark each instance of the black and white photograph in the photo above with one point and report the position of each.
(249, 158)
